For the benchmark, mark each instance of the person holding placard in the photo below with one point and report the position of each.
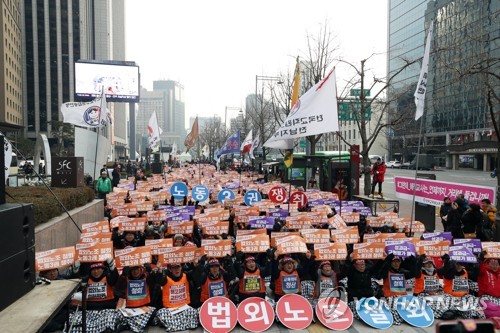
(177, 288)
(136, 288)
(102, 278)
(214, 281)
(327, 281)
(456, 285)
(251, 276)
(427, 286)
(287, 275)
(394, 278)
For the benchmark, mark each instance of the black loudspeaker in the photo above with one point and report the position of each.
(17, 276)
(156, 167)
(17, 229)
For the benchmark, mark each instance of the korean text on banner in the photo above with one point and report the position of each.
(55, 258)
(252, 243)
(331, 251)
(133, 256)
(92, 252)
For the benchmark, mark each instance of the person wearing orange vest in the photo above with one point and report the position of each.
(176, 296)
(100, 293)
(136, 286)
(456, 287)
(251, 277)
(287, 275)
(214, 281)
(394, 280)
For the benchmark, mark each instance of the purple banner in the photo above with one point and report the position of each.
(437, 236)
(233, 185)
(472, 244)
(400, 248)
(462, 254)
(178, 217)
(278, 213)
(331, 202)
(358, 204)
(163, 207)
(259, 222)
(184, 209)
(432, 192)
(318, 202)
(366, 211)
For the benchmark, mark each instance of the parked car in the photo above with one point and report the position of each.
(393, 164)
(405, 165)
(425, 162)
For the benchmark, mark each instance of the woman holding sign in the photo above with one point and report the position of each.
(287, 275)
(456, 287)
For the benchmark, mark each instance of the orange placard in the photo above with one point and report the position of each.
(180, 227)
(155, 244)
(133, 256)
(138, 195)
(348, 235)
(178, 255)
(337, 222)
(128, 209)
(318, 217)
(116, 194)
(45, 260)
(433, 248)
(291, 244)
(330, 251)
(298, 222)
(216, 248)
(316, 236)
(145, 206)
(378, 222)
(215, 228)
(381, 237)
(241, 232)
(158, 197)
(492, 249)
(92, 252)
(350, 217)
(157, 215)
(244, 215)
(369, 251)
(95, 237)
(388, 215)
(404, 225)
(277, 235)
(96, 226)
(113, 203)
(134, 224)
(252, 243)
(207, 218)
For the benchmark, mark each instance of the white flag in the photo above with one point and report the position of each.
(154, 131)
(247, 143)
(255, 144)
(422, 80)
(85, 114)
(174, 149)
(205, 151)
(314, 113)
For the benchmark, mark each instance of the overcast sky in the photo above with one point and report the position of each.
(215, 48)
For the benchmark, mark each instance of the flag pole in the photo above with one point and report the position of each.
(161, 153)
(241, 159)
(415, 179)
(98, 133)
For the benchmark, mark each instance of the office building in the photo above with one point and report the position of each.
(11, 115)
(457, 128)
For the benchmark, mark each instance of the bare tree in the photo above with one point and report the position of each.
(65, 135)
(213, 133)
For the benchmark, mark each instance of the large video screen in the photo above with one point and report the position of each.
(297, 174)
(120, 82)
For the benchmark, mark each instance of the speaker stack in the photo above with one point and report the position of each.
(17, 252)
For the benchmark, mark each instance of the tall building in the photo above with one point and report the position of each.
(167, 99)
(457, 127)
(56, 34)
(11, 115)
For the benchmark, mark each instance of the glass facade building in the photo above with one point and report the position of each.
(457, 127)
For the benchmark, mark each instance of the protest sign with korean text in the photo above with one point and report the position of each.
(184, 227)
(177, 255)
(291, 244)
(96, 226)
(216, 248)
(316, 236)
(133, 256)
(373, 250)
(155, 244)
(436, 248)
(252, 243)
(92, 252)
(330, 251)
(348, 235)
(56, 258)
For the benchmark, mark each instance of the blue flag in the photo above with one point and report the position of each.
(231, 146)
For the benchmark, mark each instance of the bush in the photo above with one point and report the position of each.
(45, 206)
